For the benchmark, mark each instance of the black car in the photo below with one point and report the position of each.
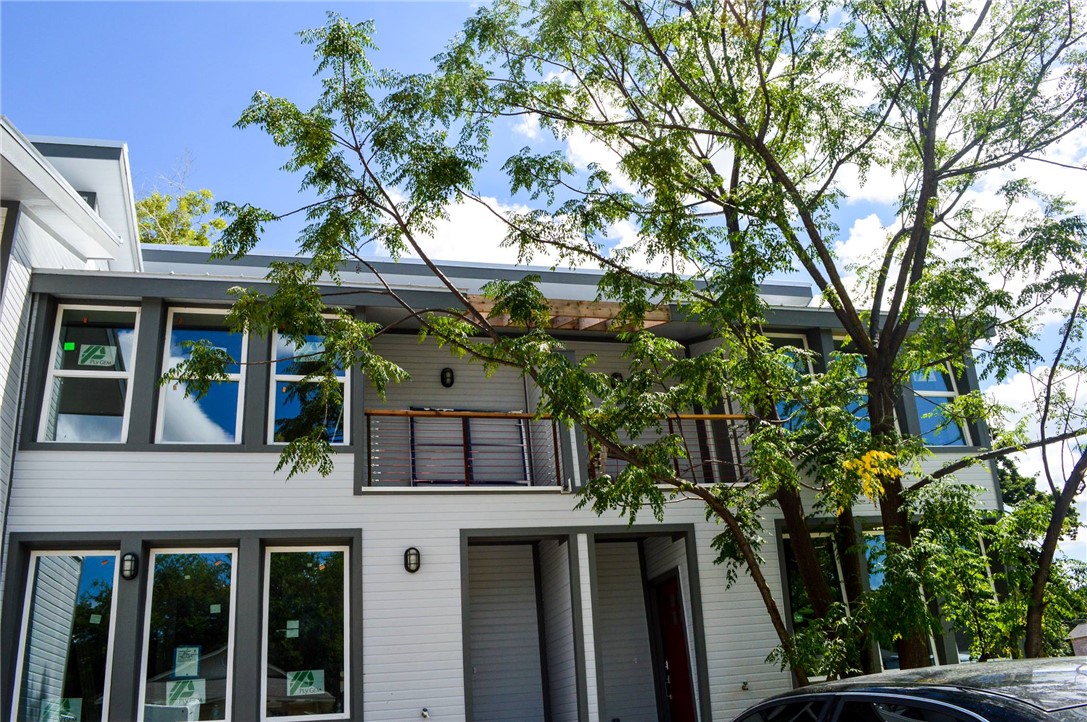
(1054, 690)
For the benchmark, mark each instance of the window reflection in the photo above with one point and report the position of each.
(301, 404)
(187, 642)
(215, 417)
(66, 650)
(305, 631)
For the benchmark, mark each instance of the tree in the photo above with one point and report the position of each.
(178, 220)
(734, 126)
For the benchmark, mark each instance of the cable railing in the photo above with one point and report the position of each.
(715, 445)
(437, 447)
(430, 447)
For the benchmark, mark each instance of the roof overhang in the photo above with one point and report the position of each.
(46, 197)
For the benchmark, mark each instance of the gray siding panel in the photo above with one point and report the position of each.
(623, 635)
(559, 630)
(503, 635)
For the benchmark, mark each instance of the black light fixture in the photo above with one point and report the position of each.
(447, 377)
(130, 565)
(412, 560)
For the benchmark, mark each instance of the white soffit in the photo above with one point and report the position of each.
(27, 177)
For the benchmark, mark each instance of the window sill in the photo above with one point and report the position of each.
(425, 490)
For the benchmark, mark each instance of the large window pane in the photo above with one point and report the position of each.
(299, 407)
(66, 648)
(305, 633)
(86, 409)
(302, 360)
(188, 637)
(211, 419)
(94, 340)
(210, 327)
(936, 428)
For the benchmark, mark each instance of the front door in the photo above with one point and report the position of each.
(674, 666)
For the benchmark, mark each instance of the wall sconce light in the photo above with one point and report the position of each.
(616, 379)
(447, 377)
(130, 566)
(412, 560)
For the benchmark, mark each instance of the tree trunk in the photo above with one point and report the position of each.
(807, 560)
(912, 647)
(1033, 646)
(851, 553)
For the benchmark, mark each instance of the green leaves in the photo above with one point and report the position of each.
(179, 220)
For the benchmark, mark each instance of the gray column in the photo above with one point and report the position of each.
(357, 407)
(257, 386)
(145, 376)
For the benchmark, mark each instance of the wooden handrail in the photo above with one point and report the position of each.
(436, 413)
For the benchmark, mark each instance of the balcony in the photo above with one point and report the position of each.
(442, 448)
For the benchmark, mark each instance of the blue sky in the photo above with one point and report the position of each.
(173, 77)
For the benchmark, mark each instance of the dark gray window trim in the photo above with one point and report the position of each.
(7, 238)
(131, 599)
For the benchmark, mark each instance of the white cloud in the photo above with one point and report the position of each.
(528, 125)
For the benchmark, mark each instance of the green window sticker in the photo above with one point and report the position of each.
(305, 681)
(97, 355)
(182, 692)
(69, 345)
(62, 709)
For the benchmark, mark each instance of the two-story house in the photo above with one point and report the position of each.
(157, 567)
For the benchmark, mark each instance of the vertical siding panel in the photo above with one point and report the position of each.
(623, 634)
(503, 635)
(559, 630)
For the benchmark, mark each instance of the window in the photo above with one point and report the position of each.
(827, 552)
(67, 637)
(305, 647)
(931, 392)
(894, 710)
(791, 411)
(86, 393)
(188, 644)
(299, 405)
(216, 417)
(858, 408)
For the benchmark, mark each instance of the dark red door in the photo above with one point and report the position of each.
(677, 668)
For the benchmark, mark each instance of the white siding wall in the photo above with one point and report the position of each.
(662, 555)
(558, 630)
(503, 635)
(622, 629)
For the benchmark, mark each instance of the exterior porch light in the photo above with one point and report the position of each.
(130, 565)
(447, 377)
(412, 560)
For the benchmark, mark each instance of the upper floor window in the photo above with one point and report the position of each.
(215, 417)
(86, 396)
(791, 410)
(931, 392)
(301, 405)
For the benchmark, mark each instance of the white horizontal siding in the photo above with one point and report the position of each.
(504, 635)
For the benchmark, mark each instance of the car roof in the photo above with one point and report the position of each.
(1047, 684)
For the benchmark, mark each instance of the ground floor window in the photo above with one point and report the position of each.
(188, 635)
(305, 633)
(67, 637)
